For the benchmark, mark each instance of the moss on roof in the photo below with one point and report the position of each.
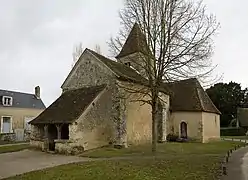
(188, 95)
(69, 106)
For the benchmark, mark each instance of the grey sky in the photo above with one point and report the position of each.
(37, 38)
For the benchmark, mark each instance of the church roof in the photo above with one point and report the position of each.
(188, 95)
(121, 70)
(136, 42)
(69, 106)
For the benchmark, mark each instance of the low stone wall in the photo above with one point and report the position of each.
(9, 137)
(39, 144)
(68, 147)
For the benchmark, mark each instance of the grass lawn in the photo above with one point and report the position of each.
(13, 148)
(175, 161)
(236, 137)
(9, 142)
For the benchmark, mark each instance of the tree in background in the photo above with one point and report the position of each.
(77, 52)
(227, 97)
(179, 40)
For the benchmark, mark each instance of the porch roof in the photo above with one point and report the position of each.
(69, 106)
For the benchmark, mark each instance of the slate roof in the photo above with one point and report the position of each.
(69, 106)
(188, 95)
(22, 100)
(136, 42)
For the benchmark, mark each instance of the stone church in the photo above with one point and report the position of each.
(95, 110)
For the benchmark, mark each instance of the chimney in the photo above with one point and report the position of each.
(37, 92)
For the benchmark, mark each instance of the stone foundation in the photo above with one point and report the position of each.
(68, 147)
(39, 144)
(9, 137)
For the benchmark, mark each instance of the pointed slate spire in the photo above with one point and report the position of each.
(136, 42)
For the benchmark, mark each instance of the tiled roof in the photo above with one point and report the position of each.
(69, 106)
(121, 70)
(124, 72)
(188, 95)
(22, 100)
(136, 42)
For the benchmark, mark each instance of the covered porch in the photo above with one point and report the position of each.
(45, 136)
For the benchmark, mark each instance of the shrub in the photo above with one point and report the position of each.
(232, 131)
(172, 137)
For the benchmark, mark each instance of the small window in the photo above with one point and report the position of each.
(7, 101)
(6, 126)
(128, 64)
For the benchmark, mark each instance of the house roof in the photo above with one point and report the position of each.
(136, 42)
(22, 100)
(188, 95)
(69, 106)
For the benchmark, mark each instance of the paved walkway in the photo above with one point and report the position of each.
(237, 167)
(15, 163)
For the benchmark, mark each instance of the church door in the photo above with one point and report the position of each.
(183, 128)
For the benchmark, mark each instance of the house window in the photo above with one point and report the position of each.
(27, 126)
(7, 101)
(128, 64)
(6, 124)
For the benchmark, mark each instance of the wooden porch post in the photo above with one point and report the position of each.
(46, 131)
(58, 126)
(46, 138)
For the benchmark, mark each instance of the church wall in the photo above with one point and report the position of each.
(138, 118)
(193, 121)
(89, 72)
(95, 128)
(211, 126)
(139, 122)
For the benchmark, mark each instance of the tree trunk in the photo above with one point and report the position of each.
(154, 125)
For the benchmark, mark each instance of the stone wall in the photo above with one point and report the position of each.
(68, 147)
(193, 121)
(138, 115)
(95, 128)
(88, 72)
(8, 137)
(38, 144)
(37, 132)
(211, 127)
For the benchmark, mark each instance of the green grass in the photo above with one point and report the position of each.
(13, 148)
(236, 137)
(176, 161)
(9, 142)
(167, 149)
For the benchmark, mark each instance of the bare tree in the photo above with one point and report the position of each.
(98, 49)
(77, 52)
(178, 34)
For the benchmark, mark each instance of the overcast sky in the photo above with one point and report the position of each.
(37, 39)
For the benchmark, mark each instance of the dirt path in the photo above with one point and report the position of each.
(15, 163)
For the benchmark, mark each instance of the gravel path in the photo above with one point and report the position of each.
(16, 163)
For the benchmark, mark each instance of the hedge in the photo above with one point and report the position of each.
(232, 131)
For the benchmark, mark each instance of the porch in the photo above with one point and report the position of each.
(45, 136)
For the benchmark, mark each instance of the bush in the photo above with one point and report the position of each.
(232, 131)
(171, 137)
